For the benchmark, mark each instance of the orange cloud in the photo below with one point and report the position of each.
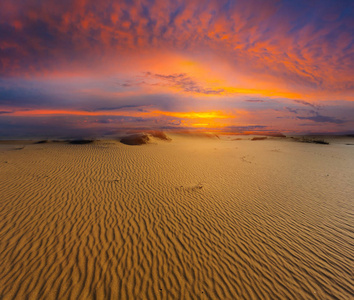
(195, 115)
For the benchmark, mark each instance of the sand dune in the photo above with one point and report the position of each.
(135, 139)
(195, 218)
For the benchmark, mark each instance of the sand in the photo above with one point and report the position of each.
(193, 218)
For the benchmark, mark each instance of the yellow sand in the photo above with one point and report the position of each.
(194, 218)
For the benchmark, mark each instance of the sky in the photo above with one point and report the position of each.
(97, 67)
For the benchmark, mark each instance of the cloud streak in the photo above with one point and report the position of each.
(322, 119)
(181, 81)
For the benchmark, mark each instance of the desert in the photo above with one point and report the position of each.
(191, 217)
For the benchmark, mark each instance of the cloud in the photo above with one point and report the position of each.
(87, 56)
(294, 45)
(292, 110)
(306, 103)
(255, 101)
(322, 119)
(130, 107)
(181, 81)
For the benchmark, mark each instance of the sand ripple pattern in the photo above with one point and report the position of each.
(181, 220)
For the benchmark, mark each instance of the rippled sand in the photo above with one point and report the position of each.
(194, 218)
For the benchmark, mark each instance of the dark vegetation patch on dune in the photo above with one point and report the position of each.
(314, 141)
(135, 139)
(41, 142)
(259, 138)
(276, 134)
(80, 142)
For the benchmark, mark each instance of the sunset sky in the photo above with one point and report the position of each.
(96, 67)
